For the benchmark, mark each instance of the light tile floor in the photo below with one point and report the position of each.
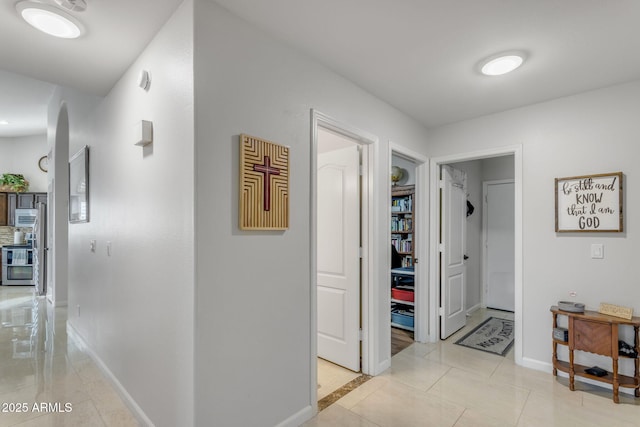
(444, 384)
(331, 377)
(40, 365)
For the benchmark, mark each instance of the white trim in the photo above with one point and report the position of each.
(483, 254)
(421, 250)
(471, 310)
(136, 410)
(434, 219)
(538, 365)
(299, 417)
(369, 225)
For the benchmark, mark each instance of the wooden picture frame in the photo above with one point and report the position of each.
(589, 203)
(79, 186)
(264, 185)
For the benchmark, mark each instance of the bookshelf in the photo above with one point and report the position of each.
(402, 226)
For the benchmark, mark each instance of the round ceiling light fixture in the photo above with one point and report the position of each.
(50, 20)
(4, 122)
(502, 63)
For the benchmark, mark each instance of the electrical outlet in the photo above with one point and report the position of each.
(92, 245)
(573, 293)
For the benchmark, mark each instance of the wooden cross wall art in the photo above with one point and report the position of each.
(264, 185)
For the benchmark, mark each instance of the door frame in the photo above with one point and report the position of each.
(421, 249)
(434, 220)
(368, 225)
(484, 258)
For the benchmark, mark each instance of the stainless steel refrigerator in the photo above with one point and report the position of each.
(40, 249)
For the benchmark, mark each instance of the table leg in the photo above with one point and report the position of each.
(572, 372)
(616, 383)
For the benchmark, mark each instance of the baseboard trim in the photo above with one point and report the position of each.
(474, 308)
(126, 397)
(298, 418)
(57, 304)
(537, 365)
(382, 366)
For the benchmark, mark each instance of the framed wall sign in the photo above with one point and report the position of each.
(79, 186)
(264, 185)
(589, 203)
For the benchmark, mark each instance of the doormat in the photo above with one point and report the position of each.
(494, 335)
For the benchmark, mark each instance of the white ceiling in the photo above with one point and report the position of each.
(117, 31)
(418, 55)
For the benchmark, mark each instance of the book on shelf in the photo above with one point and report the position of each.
(402, 204)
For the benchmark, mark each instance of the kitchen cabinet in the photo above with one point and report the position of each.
(3, 209)
(12, 203)
(25, 201)
(39, 197)
(18, 201)
(597, 333)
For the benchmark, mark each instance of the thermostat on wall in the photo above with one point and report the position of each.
(143, 133)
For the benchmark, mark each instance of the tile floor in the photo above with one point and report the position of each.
(39, 365)
(443, 384)
(331, 377)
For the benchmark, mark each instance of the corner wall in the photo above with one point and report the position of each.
(134, 307)
(590, 133)
(253, 293)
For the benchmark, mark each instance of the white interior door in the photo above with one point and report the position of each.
(500, 245)
(339, 257)
(453, 223)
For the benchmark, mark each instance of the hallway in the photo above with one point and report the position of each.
(40, 364)
(444, 384)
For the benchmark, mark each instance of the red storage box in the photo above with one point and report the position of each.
(402, 295)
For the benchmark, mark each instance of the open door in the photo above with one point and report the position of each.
(453, 239)
(339, 257)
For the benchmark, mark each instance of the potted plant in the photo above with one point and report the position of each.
(13, 182)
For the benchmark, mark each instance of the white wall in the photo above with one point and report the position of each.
(409, 170)
(497, 168)
(136, 306)
(590, 133)
(253, 288)
(21, 155)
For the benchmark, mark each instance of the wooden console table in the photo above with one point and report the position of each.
(597, 333)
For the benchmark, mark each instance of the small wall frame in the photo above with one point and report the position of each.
(264, 185)
(589, 203)
(79, 186)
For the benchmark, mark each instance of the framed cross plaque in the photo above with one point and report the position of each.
(264, 185)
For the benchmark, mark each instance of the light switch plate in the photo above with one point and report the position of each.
(597, 251)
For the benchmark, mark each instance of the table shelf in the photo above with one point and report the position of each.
(596, 333)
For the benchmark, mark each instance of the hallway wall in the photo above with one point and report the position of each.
(253, 309)
(590, 133)
(134, 308)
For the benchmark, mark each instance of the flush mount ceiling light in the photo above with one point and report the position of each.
(500, 64)
(50, 20)
(3, 122)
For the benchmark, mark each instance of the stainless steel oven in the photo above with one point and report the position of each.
(17, 265)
